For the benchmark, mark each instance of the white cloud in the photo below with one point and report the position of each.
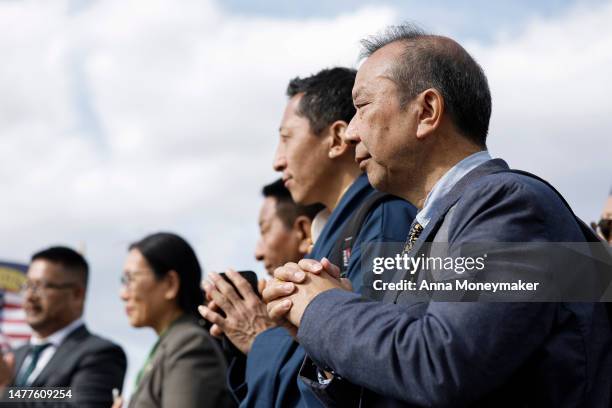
(551, 115)
(134, 116)
(185, 102)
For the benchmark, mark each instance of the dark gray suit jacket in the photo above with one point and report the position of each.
(187, 371)
(446, 354)
(90, 365)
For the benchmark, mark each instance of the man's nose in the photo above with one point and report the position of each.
(280, 162)
(351, 135)
(259, 253)
(30, 294)
(123, 293)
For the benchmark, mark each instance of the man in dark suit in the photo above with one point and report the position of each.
(62, 352)
(318, 167)
(423, 108)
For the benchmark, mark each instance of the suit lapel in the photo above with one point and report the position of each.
(447, 201)
(20, 356)
(63, 352)
(149, 368)
(158, 356)
(349, 204)
(486, 168)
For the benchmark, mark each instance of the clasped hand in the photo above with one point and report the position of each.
(245, 314)
(296, 285)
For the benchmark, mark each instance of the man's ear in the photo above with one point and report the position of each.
(173, 284)
(429, 109)
(337, 144)
(79, 292)
(302, 228)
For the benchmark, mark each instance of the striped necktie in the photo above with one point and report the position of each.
(24, 374)
(413, 235)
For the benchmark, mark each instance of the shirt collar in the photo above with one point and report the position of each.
(318, 223)
(447, 182)
(58, 337)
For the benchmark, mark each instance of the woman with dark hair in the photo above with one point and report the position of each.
(161, 290)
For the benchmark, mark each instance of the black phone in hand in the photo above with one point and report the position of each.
(250, 277)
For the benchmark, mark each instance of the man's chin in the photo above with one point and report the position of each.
(300, 198)
(36, 323)
(377, 180)
(296, 194)
(304, 197)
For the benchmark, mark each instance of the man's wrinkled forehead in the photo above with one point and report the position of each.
(377, 67)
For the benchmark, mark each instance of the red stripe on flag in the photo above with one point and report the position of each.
(18, 321)
(11, 306)
(18, 336)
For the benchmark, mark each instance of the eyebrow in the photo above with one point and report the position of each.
(285, 130)
(134, 271)
(361, 93)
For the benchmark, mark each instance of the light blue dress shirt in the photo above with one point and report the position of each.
(447, 182)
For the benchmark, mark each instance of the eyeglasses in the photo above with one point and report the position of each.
(127, 279)
(36, 287)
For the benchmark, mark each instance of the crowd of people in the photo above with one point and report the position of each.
(394, 152)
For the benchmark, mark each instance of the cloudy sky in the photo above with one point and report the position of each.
(123, 117)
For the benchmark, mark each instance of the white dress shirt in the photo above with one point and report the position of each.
(318, 223)
(55, 340)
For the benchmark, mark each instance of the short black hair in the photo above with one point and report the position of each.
(327, 97)
(286, 209)
(167, 252)
(431, 61)
(68, 258)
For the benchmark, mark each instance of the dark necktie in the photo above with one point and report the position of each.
(35, 352)
(413, 235)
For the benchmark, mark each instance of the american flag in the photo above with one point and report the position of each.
(14, 330)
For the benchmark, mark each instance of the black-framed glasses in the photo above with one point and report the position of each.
(36, 287)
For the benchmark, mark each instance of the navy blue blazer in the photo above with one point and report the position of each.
(447, 354)
(272, 367)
